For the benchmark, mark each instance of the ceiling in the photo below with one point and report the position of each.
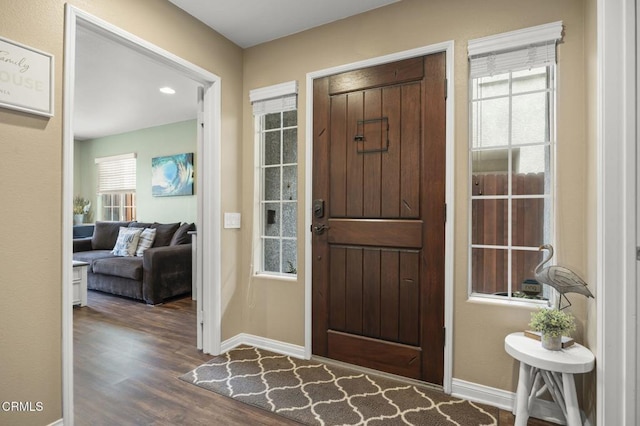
(117, 88)
(251, 22)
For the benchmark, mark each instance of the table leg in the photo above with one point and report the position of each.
(522, 395)
(571, 400)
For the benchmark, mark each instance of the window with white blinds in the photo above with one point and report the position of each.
(512, 140)
(117, 187)
(116, 174)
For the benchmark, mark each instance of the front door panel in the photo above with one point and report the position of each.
(378, 272)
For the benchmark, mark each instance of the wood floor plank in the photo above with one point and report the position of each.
(127, 360)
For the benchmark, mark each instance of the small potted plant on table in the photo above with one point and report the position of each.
(81, 207)
(553, 324)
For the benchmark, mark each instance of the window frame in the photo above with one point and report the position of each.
(268, 100)
(122, 207)
(123, 189)
(549, 33)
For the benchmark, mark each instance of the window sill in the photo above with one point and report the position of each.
(504, 301)
(277, 277)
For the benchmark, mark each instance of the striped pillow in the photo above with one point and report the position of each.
(146, 240)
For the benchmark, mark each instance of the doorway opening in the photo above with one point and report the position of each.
(207, 184)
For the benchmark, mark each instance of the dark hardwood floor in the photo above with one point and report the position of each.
(127, 360)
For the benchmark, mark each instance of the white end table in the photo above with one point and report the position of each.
(79, 282)
(542, 369)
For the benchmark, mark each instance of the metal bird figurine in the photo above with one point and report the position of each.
(562, 279)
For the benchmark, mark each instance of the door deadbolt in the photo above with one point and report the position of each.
(318, 208)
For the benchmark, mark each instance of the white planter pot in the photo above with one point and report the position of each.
(553, 343)
(78, 219)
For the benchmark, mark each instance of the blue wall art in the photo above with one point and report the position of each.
(172, 175)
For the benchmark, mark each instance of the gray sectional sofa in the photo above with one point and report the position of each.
(162, 271)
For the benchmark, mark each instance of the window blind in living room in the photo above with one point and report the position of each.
(116, 173)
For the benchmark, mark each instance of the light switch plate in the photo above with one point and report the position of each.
(232, 220)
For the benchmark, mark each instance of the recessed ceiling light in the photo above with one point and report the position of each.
(167, 90)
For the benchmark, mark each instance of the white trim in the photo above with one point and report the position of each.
(259, 235)
(549, 198)
(448, 48)
(616, 302)
(267, 344)
(275, 91)
(505, 400)
(483, 394)
(59, 422)
(516, 39)
(210, 245)
(208, 196)
(276, 98)
(67, 211)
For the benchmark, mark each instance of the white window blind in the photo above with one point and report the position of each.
(278, 98)
(117, 173)
(514, 51)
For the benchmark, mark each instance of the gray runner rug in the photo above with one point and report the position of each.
(316, 393)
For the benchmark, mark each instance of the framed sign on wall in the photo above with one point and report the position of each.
(26, 78)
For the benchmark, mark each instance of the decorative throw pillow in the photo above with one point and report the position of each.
(105, 235)
(127, 241)
(164, 232)
(146, 240)
(182, 236)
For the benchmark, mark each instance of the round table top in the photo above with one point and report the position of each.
(574, 359)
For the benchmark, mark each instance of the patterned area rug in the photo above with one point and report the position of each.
(316, 393)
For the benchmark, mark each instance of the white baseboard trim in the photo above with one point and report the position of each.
(505, 400)
(59, 422)
(483, 394)
(263, 343)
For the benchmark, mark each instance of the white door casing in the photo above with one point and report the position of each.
(208, 195)
(617, 296)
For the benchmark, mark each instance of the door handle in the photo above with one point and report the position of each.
(319, 228)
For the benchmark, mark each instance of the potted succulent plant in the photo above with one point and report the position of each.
(553, 324)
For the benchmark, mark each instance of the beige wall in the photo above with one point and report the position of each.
(31, 152)
(31, 147)
(273, 308)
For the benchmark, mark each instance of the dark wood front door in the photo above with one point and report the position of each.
(379, 217)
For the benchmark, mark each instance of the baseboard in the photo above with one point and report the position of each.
(57, 423)
(542, 409)
(483, 394)
(263, 343)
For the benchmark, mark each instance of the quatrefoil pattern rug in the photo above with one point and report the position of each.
(316, 393)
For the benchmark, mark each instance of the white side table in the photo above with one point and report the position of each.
(79, 283)
(541, 368)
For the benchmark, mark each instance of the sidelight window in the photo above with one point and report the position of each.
(511, 150)
(276, 122)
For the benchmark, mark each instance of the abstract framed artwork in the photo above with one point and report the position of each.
(172, 175)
